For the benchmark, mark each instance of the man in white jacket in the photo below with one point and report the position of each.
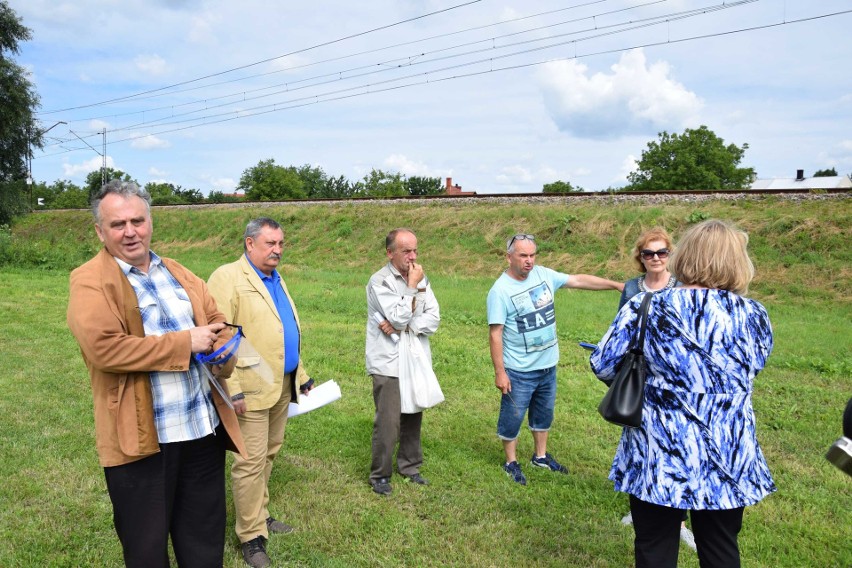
(402, 297)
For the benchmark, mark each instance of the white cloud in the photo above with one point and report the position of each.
(627, 166)
(151, 64)
(408, 167)
(634, 98)
(82, 170)
(149, 142)
(223, 184)
(514, 175)
(155, 172)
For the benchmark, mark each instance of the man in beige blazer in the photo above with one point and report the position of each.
(267, 377)
(160, 429)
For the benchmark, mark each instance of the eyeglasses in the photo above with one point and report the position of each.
(649, 254)
(519, 237)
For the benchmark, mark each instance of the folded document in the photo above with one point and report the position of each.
(321, 395)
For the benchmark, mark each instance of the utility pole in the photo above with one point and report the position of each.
(101, 154)
(30, 157)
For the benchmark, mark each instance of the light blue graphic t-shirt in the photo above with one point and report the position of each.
(525, 310)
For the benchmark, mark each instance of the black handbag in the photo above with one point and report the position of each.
(623, 401)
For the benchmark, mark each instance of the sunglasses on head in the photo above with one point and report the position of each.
(649, 254)
(519, 237)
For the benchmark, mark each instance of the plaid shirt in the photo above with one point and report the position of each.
(183, 405)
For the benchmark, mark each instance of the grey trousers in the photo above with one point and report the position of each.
(390, 427)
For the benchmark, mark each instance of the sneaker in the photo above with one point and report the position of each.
(254, 553)
(514, 470)
(381, 486)
(417, 478)
(687, 537)
(273, 525)
(548, 462)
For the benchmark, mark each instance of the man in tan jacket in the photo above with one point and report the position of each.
(160, 429)
(267, 376)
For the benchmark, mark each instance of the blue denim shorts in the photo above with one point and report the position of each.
(533, 390)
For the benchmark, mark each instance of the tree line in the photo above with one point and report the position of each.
(267, 181)
(697, 159)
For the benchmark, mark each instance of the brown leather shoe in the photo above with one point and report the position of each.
(273, 525)
(254, 553)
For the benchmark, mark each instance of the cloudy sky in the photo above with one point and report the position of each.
(502, 96)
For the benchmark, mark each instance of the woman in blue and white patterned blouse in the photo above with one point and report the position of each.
(696, 448)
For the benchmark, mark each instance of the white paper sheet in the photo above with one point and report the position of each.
(321, 395)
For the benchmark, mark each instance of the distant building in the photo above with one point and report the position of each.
(456, 189)
(801, 182)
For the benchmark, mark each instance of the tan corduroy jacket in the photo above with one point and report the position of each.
(104, 317)
(244, 299)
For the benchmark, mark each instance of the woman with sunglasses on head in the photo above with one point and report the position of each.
(696, 448)
(651, 255)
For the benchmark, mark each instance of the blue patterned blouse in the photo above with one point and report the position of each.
(697, 447)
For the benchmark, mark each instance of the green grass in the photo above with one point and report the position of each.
(55, 510)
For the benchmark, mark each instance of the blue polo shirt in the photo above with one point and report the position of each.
(285, 312)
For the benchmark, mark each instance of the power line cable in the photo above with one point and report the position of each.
(151, 94)
(303, 50)
(409, 58)
(372, 90)
(635, 24)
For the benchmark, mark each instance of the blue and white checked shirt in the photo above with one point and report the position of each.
(183, 405)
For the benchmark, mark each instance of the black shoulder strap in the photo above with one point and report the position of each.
(643, 321)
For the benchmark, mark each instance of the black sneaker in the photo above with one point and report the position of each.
(417, 478)
(514, 471)
(254, 553)
(549, 463)
(273, 525)
(381, 486)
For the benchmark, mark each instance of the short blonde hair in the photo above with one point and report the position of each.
(655, 234)
(713, 254)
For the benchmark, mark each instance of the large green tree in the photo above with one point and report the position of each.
(267, 181)
(379, 183)
(18, 127)
(96, 179)
(694, 160)
(417, 185)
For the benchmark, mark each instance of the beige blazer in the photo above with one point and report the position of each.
(103, 315)
(244, 299)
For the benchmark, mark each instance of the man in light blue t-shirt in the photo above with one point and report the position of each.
(524, 349)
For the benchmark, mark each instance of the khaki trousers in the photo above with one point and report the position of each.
(263, 434)
(390, 427)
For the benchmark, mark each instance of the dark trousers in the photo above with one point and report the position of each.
(390, 427)
(658, 535)
(179, 492)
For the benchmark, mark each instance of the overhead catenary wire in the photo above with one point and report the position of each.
(209, 104)
(156, 94)
(601, 33)
(424, 78)
(410, 58)
(298, 51)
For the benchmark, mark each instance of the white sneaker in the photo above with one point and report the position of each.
(627, 519)
(687, 537)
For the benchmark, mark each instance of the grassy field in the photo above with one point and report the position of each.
(55, 510)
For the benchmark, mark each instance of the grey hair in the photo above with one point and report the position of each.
(510, 242)
(255, 226)
(125, 189)
(390, 240)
